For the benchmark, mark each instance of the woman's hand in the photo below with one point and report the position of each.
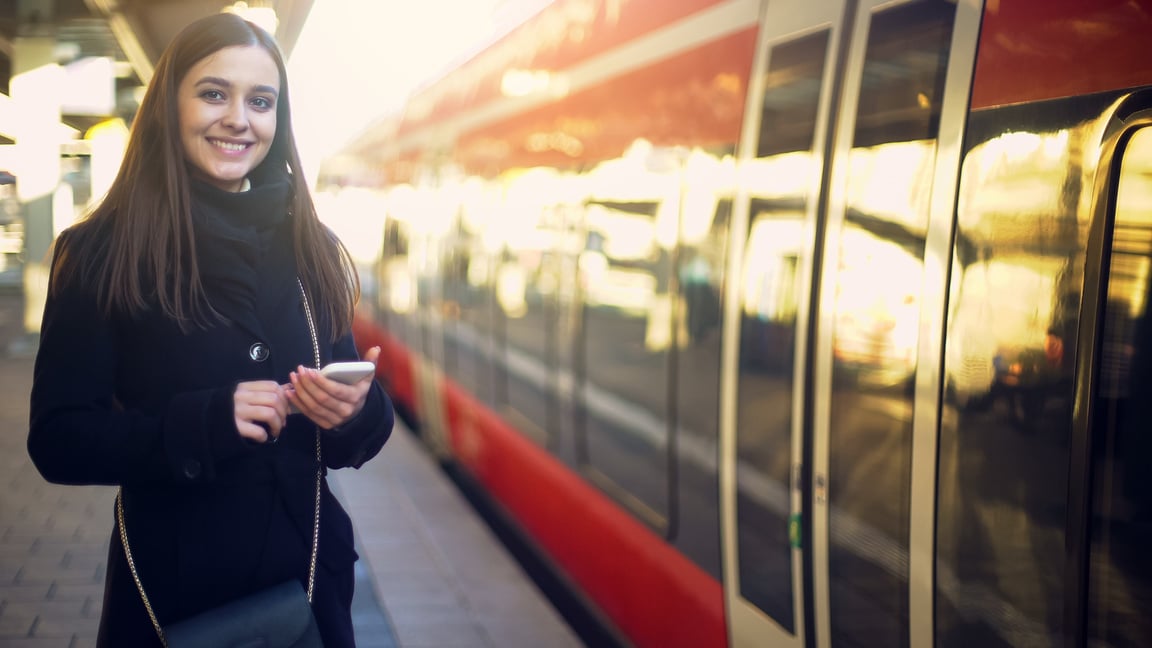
(326, 402)
(261, 411)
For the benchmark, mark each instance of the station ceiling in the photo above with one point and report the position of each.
(133, 33)
(142, 28)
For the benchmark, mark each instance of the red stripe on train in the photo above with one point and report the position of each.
(655, 595)
(394, 366)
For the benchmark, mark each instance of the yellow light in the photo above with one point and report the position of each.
(521, 83)
(257, 13)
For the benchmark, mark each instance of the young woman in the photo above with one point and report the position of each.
(179, 347)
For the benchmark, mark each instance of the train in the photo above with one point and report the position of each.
(789, 323)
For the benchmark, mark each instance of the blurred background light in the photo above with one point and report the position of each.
(358, 60)
(257, 12)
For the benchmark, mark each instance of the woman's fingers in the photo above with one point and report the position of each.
(260, 410)
(373, 356)
(327, 402)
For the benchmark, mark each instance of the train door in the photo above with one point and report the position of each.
(833, 341)
(766, 305)
(1110, 520)
(879, 316)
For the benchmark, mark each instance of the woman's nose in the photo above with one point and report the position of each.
(236, 116)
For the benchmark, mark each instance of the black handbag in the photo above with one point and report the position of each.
(275, 617)
(278, 616)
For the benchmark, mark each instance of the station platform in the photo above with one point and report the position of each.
(431, 573)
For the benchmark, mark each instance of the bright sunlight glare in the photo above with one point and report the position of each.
(357, 60)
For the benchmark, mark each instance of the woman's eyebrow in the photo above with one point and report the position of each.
(211, 80)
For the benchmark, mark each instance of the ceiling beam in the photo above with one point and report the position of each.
(126, 35)
(144, 27)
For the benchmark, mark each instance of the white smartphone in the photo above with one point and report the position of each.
(348, 372)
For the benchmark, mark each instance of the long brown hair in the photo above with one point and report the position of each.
(141, 233)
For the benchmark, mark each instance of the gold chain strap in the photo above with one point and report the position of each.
(316, 516)
(132, 566)
(319, 461)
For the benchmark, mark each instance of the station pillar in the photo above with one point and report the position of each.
(36, 90)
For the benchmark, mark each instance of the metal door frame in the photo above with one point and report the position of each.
(780, 21)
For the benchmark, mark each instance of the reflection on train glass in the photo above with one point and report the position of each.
(877, 315)
(772, 282)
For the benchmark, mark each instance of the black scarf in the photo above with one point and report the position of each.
(233, 232)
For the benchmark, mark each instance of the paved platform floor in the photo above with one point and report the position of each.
(431, 573)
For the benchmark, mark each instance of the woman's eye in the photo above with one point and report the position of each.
(262, 102)
(213, 95)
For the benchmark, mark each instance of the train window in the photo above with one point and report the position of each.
(625, 267)
(1120, 573)
(875, 321)
(467, 308)
(448, 264)
(700, 275)
(530, 294)
(1009, 359)
(770, 287)
(526, 290)
(396, 281)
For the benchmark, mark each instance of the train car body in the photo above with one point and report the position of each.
(791, 323)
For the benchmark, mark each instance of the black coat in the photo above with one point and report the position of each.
(210, 516)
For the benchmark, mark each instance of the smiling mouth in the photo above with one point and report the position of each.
(229, 147)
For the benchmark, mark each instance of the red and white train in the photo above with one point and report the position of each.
(791, 322)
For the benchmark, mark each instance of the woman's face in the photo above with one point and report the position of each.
(227, 105)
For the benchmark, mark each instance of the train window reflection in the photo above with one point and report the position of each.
(1120, 574)
(627, 327)
(528, 235)
(875, 337)
(467, 309)
(1009, 357)
(618, 262)
(397, 285)
(792, 91)
(771, 283)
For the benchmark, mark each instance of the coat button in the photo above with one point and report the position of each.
(191, 469)
(258, 352)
